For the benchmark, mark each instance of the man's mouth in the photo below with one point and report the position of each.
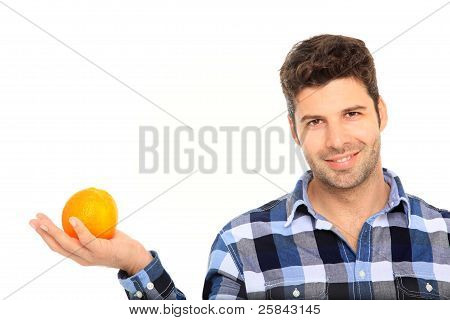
(343, 161)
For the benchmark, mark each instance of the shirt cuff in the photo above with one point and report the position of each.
(150, 283)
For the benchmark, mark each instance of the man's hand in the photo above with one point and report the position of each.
(120, 252)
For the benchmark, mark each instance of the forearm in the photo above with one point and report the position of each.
(139, 263)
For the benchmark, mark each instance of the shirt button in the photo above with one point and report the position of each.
(150, 285)
(429, 287)
(362, 274)
(296, 293)
(138, 294)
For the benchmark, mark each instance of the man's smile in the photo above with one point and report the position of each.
(342, 162)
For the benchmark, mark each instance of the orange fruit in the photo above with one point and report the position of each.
(95, 208)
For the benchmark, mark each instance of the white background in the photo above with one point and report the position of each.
(65, 125)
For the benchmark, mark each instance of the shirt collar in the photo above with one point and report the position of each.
(298, 198)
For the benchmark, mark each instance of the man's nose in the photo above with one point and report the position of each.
(337, 136)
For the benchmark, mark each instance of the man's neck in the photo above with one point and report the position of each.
(357, 203)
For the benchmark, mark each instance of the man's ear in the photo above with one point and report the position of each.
(382, 109)
(293, 129)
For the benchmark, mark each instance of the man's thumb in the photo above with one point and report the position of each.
(84, 235)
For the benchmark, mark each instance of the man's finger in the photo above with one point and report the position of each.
(67, 243)
(54, 246)
(84, 235)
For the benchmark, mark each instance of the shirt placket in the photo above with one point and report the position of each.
(361, 266)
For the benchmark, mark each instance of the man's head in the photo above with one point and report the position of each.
(335, 110)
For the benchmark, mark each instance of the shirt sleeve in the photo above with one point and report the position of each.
(224, 279)
(151, 283)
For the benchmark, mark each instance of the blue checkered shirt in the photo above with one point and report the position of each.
(285, 250)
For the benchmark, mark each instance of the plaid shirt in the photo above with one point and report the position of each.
(285, 250)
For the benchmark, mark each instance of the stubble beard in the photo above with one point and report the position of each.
(351, 178)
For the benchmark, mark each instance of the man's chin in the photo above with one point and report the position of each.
(340, 179)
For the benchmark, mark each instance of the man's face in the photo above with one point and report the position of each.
(339, 132)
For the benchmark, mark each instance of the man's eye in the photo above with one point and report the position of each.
(353, 114)
(314, 122)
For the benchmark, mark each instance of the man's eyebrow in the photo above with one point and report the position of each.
(349, 109)
(355, 107)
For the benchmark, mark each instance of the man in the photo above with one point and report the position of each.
(347, 231)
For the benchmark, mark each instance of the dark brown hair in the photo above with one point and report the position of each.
(316, 61)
